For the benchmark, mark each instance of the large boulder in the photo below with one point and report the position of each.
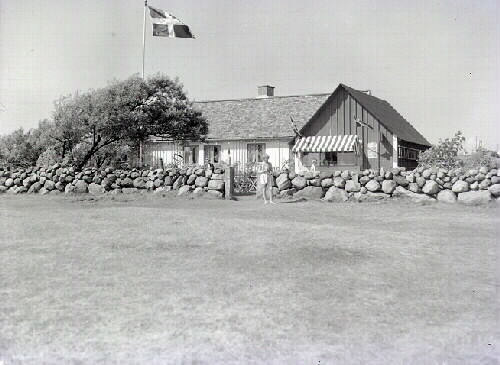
(431, 187)
(495, 190)
(283, 182)
(475, 197)
(299, 182)
(81, 187)
(217, 177)
(345, 174)
(447, 196)
(178, 182)
(184, 190)
(388, 186)
(216, 185)
(310, 193)
(49, 185)
(157, 182)
(96, 189)
(352, 186)
(327, 182)
(35, 187)
(335, 194)
(201, 181)
(372, 186)
(400, 180)
(414, 187)
(60, 187)
(126, 182)
(140, 183)
(169, 180)
(9, 182)
(69, 189)
(363, 180)
(130, 190)
(460, 186)
(339, 182)
(485, 184)
(191, 179)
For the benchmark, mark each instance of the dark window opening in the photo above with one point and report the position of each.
(212, 153)
(256, 152)
(191, 154)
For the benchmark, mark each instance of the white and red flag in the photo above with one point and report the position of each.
(167, 25)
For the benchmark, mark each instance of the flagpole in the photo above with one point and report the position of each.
(144, 36)
(143, 61)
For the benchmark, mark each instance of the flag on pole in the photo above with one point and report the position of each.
(167, 25)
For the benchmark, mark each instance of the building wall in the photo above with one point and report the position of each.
(337, 117)
(154, 152)
(277, 149)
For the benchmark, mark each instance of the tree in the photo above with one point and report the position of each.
(127, 112)
(444, 154)
(15, 149)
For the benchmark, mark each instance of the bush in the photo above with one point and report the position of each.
(482, 157)
(444, 154)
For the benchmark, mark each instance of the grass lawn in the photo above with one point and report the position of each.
(149, 280)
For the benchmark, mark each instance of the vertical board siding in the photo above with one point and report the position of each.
(154, 151)
(278, 151)
(337, 118)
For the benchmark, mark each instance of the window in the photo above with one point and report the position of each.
(408, 153)
(256, 152)
(212, 153)
(191, 154)
(327, 159)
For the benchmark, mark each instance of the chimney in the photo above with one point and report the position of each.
(265, 91)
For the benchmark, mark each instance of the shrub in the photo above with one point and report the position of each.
(444, 154)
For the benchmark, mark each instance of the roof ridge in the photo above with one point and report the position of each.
(265, 98)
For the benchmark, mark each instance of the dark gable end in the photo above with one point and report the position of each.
(388, 116)
(381, 110)
(258, 117)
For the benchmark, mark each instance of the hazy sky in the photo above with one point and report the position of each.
(436, 62)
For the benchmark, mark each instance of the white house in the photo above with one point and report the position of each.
(243, 130)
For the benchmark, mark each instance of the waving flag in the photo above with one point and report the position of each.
(167, 25)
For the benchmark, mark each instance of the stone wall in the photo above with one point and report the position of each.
(467, 186)
(57, 180)
(475, 186)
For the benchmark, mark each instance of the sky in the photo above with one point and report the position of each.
(436, 62)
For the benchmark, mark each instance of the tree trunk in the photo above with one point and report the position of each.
(87, 157)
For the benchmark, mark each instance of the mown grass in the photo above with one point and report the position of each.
(150, 280)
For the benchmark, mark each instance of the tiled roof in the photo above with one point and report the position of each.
(388, 116)
(270, 117)
(258, 117)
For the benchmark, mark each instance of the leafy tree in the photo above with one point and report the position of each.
(126, 112)
(16, 149)
(444, 154)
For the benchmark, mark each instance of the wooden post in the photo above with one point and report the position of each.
(229, 182)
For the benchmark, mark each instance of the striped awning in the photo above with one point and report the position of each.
(345, 143)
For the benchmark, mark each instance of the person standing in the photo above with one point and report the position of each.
(266, 179)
